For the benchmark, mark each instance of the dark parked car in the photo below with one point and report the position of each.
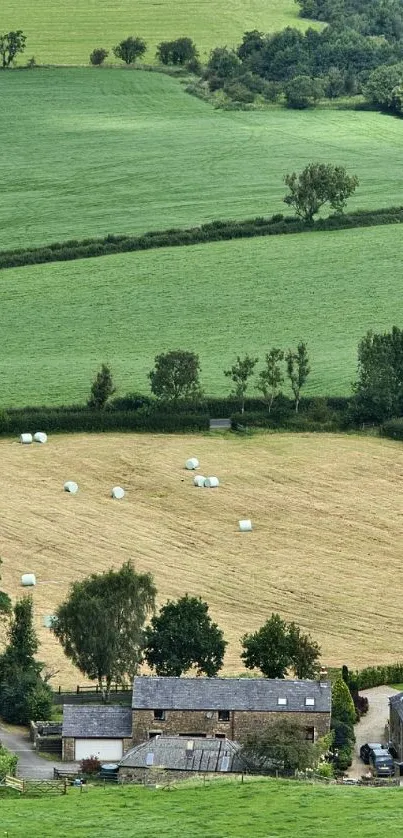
(381, 763)
(365, 750)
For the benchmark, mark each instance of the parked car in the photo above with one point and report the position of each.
(365, 750)
(381, 762)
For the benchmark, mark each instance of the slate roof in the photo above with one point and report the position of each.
(165, 693)
(172, 752)
(95, 721)
(396, 701)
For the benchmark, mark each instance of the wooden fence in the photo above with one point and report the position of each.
(36, 788)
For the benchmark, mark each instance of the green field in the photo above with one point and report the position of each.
(66, 33)
(60, 321)
(257, 809)
(92, 152)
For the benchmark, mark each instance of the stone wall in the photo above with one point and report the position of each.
(68, 749)
(395, 732)
(204, 722)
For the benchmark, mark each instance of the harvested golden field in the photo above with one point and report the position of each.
(326, 549)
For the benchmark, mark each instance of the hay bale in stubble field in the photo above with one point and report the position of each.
(117, 493)
(71, 487)
(26, 439)
(211, 482)
(41, 437)
(192, 463)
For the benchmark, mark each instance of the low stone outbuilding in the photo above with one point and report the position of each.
(396, 724)
(229, 708)
(96, 730)
(179, 756)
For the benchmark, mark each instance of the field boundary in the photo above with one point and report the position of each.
(214, 231)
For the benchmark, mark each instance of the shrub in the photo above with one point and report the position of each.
(98, 56)
(344, 758)
(238, 92)
(90, 765)
(8, 762)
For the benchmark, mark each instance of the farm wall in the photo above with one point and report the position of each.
(206, 723)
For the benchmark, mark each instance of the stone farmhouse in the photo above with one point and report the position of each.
(226, 707)
(195, 708)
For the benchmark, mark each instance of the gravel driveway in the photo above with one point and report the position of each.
(371, 728)
(30, 765)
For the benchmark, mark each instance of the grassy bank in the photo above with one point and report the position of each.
(260, 809)
(126, 152)
(218, 300)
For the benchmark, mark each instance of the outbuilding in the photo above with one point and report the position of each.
(96, 730)
(180, 756)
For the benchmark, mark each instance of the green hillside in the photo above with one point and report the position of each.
(256, 809)
(66, 33)
(60, 321)
(91, 152)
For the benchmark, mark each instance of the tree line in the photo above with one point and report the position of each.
(176, 377)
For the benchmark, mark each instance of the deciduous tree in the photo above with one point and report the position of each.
(240, 373)
(302, 92)
(102, 388)
(297, 370)
(177, 52)
(271, 377)
(278, 647)
(100, 625)
(183, 636)
(282, 745)
(98, 56)
(11, 44)
(319, 184)
(379, 388)
(130, 49)
(176, 376)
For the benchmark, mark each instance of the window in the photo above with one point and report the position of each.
(150, 758)
(219, 735)
(309, 702)
(281, 701)
(223, 715)
(159, 715)
(310, 734)
(153, 733)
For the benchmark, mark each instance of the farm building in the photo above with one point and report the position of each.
(180, 756)
(226, 707)
(96, 730)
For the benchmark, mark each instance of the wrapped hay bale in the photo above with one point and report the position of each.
(41, 437)
(26, 439)
(117, 493)
(192, 463)
(28, 579)
(198, 480)
(246, 525)
(211, 482)
(71, 486)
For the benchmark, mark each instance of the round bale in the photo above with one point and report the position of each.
(246, 525)
(41, 437)
(211, 482)
(117, 493)
(71, 486)
(26, 439)
(28, 579)
(198, 480)
(192, 463)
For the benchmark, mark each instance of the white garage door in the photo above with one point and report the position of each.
(108, 750)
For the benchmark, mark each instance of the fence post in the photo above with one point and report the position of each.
(59, 690)
(78, 689)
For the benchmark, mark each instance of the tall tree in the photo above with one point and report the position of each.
(319, 184)
(240, 373)
(100, 625)
(101, 389)
(268, 649)
(271, 377)
(304, 653)
(130, 49)
(297, 370)
(183, 636)
(176, 376)
(11, 44)
(278, 647)
(379, 388)
(23, 692)
(342, 703)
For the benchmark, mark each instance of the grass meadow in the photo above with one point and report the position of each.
(66, 33)
(98, 151)
(60, 321)
(221, 809)
(326, 543)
